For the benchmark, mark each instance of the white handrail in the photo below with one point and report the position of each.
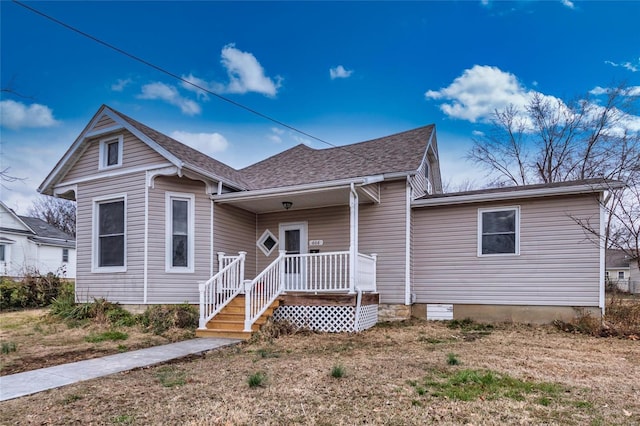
(263, 290)
(218, 291)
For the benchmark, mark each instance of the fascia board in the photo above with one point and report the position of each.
(510, 195)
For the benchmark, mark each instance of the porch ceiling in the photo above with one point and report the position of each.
(305, 199)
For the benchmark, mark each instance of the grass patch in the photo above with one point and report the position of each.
(338, 371)
(258, 379)
(170, 377)
(71, 398)
(452, 359)
(266, 353)
(124, 419)
(470, 385)
(8, 347)
(112, 335)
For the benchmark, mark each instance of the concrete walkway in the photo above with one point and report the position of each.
(29, 382)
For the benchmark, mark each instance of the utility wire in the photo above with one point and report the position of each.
(177, 77)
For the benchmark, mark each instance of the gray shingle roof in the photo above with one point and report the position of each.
(615, 258)
(44, 230)
(187, 154)
(401, 152)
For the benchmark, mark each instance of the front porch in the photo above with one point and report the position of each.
(333, 292)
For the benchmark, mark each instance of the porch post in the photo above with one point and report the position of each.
(353, 239)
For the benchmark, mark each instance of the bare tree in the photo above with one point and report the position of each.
(552, 141)
(58, 212)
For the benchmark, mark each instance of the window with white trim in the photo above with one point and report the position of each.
(499, 231)
(65, 255)
(267, 242)
(621, 275)
(179, 232)
(3, 253)
(109, 234)
(111, 152)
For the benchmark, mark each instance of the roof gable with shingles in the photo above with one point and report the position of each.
(45, 230)
(398, 153)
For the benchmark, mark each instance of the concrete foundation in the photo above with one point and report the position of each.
(511, 313)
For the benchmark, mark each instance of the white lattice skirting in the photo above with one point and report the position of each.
(332, 319)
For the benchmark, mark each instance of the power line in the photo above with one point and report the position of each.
(177, 77)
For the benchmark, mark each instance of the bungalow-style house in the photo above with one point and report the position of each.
(31, 245)
(331, 238)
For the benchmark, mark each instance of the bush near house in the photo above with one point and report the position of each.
(33, 291)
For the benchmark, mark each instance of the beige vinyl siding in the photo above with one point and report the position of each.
(135, 153)
(382, 231)
(235, 231)
(329, 224)
(104, 122)
(123, 287)
(557, 265)
(177, 287)
(418, 181)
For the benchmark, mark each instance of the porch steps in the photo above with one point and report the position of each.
(229, 322)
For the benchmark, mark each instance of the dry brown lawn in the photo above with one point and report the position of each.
(391, 377)
(41, 341)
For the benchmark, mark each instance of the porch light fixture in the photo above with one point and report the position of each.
(287, 205)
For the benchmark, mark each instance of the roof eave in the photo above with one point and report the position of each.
(309, 187)
(517, 194)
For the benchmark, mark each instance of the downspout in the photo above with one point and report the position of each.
(353, 237)
(602, 253)
(145, 261)
(407, 246)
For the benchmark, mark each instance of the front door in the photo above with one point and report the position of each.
(294, 238)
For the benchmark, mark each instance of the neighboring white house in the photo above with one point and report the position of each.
(622, 270)
(29, 244)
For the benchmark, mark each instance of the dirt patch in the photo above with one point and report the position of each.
(389, 375)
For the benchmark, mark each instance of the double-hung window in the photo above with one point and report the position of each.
(499, 231)
(65, 255)
(109, 237)
(111, 152)
(180, 232)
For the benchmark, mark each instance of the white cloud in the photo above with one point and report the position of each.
(120, 84)
(484, 2)
(339, 72)
(276, 135)
(568, 3)
(629, 91)
(245, 75)
(479, 91)
(633, 67)
(477, 133)
(207, 143)
(171, 95)
(15, 115)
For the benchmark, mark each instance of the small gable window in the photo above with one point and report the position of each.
(499, 231)
(111, 152)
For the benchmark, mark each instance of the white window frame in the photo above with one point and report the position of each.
(104, 154)
(65, 253)
(260, 243)
(95, 244)
(499, 209)
(621, 273)
(191, 200)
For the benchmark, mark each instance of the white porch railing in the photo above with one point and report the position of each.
(220, 289)
(263, 290)
(313, 272)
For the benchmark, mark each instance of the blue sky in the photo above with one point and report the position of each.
(343, 72)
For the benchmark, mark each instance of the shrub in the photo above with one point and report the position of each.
(33, 291)
(161, 318)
